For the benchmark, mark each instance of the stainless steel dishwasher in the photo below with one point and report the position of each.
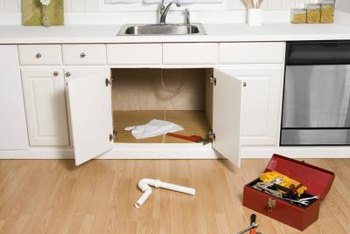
(316, 98)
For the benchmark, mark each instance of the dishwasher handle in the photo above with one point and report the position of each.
(318, 52)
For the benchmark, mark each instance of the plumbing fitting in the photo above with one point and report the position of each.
(145, 183)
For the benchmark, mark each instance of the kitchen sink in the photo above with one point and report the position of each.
(161, 29)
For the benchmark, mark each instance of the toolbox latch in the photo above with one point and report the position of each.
(271, 204)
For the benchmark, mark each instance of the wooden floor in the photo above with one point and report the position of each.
(54, 196)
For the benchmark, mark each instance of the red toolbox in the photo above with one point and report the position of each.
(317, 180)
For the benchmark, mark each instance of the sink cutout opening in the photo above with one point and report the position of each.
(181, 96)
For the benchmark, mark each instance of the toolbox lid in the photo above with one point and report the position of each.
(317, 180)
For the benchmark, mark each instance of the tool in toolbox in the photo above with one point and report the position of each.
(277, 184)
(252, 227)
(288, 183)
(266, 187)
(303, 201)
(193, 138)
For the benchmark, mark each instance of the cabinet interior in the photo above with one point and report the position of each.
(181, 96)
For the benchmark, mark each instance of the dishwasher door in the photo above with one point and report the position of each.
(316, 105)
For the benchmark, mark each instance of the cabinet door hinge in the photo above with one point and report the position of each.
(108, 81)
(113, 135)
(212, 80)
(210, 136)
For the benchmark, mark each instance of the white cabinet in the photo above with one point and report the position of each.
(246, 97)
(89, 102)
(13, 129)
(261, 101)
(45, 106)
(260, 66)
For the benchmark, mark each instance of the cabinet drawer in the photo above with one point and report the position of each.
(40, 54)
(134, 54)
(190, 53)
(84, 54)
(243, 53)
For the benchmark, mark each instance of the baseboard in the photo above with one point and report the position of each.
(179, 151)
(121, 151)
(297, 152)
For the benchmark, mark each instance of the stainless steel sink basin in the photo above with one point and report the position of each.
(161, 29)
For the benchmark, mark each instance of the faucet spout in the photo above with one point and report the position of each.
(163, 11)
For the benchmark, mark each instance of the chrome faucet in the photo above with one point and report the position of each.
(163, 10)
(187, 17)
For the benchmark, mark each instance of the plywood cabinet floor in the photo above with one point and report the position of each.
(194, 123)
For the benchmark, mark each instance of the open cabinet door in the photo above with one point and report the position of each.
(90, 111)
(227, 96)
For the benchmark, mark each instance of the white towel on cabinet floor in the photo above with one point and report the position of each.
(153, 128)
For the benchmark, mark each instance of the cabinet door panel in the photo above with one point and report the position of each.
(45, 106)
(13, 129)
(134, 54)
(90, 111)
(190, 53)
(261, 101)
(227, 116)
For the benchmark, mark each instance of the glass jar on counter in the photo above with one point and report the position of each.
(298, 16)
(327, 11)
(313, 13)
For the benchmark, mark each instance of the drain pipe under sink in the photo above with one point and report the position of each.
(145, 183)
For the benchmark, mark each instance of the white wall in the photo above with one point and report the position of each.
(343, 5)
(95, 12)
(14, 6)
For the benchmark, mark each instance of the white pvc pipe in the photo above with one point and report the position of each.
(144, 197)
(144, 185)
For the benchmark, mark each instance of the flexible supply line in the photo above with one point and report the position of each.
(144, 186)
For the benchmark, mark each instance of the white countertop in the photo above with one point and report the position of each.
(215, 33)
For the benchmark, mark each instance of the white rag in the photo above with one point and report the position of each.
(153, 128)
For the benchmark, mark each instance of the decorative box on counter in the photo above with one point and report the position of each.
(288, 210)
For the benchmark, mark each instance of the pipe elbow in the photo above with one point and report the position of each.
(146, 182)
(143, 184)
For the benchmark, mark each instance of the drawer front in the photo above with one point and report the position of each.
(190, 53)
(134, 54)
(243, 53)
(84, 54)
(40, 54)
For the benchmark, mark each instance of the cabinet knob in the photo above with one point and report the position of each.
(38, 55)
(55, 73)
(68, 74)
(82, 55)
(245, 84)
